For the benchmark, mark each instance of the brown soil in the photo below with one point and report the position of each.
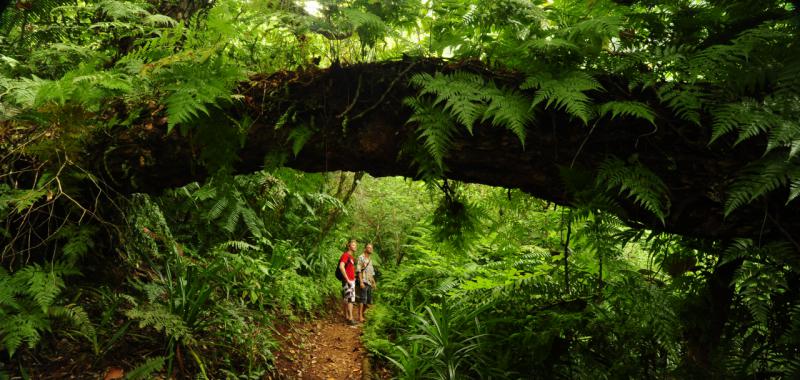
(322, 349)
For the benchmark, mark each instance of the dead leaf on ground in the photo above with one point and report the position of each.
(114, 373)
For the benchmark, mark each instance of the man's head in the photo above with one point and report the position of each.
(368, 248)
(352, 244)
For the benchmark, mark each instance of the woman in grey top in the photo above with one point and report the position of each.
(366, 273)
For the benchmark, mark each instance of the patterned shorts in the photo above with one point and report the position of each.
(349, 291)
(365, 295)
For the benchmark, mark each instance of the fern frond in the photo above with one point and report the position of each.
(757, 179)
(607, 26)
(77, 316)
(160, 20)
(786, 133)
(183, 106)
(436, 128)
(43, 285)
(121, 9)
(729, 117)
(565, 91)
(638, 182)
(549, 45)
(23, 327)
(460, 92)
(236, 244)
(685, 100)
(628, 108)
(218, 207)
(510, 110)
(161, 319)
(23, 91)
(469, 98)
(362, 19)
(7, 292)
(794, 188)
(231, 220)
(146, 369)
(299, 136)
(253, 223)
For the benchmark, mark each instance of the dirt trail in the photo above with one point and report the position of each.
(322, 349)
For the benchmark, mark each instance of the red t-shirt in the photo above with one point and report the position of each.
(349, 266)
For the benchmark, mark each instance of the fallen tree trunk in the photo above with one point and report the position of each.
(352, 118)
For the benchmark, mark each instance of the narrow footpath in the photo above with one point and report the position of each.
(322, 349)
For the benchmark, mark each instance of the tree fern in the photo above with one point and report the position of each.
(639, 183)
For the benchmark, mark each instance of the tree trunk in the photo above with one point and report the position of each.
(706, 317)
(362, 125)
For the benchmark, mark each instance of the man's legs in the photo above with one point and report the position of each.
(366, 300)
(348, 296)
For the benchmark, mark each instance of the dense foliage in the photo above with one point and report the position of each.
(477, 282)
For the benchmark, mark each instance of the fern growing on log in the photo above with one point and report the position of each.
(448, 100)
(566, 91)
(638, 182)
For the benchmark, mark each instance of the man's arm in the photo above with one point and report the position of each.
(344, 272)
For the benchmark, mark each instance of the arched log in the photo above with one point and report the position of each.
(354, 119)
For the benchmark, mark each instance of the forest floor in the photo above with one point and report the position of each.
(326, 348)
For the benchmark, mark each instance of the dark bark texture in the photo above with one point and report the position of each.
(357, 122)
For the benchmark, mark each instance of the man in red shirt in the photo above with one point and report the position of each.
(347, 267)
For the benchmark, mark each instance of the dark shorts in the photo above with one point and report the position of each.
(365, 295)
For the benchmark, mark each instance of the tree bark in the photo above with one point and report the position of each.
(706, 317)
(359, 123)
